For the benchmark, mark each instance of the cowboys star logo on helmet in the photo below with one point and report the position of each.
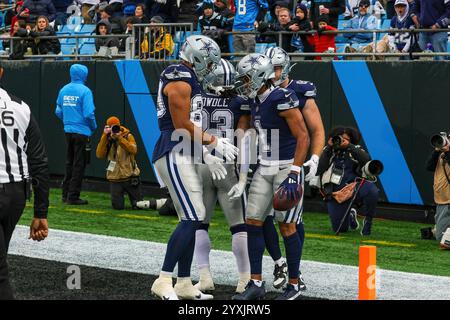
(207, 46)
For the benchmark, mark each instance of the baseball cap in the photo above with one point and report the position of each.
(401, 3)
(365, 3)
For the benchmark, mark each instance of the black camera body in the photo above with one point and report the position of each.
(336, 141)
(115, 129)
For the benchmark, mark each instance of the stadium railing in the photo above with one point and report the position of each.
(72, 44)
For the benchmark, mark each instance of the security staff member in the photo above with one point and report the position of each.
(22, 157)
(75, 107)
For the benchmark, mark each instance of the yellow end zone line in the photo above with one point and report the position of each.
(133, 216)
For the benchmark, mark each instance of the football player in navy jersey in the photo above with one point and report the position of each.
(179, 109)
(283, 145)
(222, 115)
(306, 94)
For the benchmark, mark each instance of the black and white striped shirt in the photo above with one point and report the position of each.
(22, 151)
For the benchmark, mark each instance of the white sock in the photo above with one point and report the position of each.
(257, 282)
(165, 274)
(202, 248)
(240, 251)
(160, 203)
(280, 261)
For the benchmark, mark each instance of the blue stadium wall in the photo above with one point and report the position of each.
(396, 105)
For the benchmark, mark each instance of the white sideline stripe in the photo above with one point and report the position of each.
(323, 280)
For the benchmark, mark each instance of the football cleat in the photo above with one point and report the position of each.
(186, 291)
(162, 288)
(251, 292)
(280, 275)
(206, 282)
(243, 281)
(367, 227)
(354, 224)
(290, 293)
(301, 283)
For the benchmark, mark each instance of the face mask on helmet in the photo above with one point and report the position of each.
(221, 79)
(279, 58)
(254, 71)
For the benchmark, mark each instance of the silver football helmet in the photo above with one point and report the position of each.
(202, 52)
(254, 71)
(279, 58)
(222, 78)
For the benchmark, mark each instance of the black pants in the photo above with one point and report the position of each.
(75, 164)
(12, 203)
(118, 190)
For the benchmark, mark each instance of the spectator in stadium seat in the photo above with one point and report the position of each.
(221, 7)
(103, 28)
(321, 42)
(139, 13)
(245, 20)
(61, 11)
(116, 7)
(106, 14)
(161, 43)
(128, 31)
(39, 8)
(86, 5)
(332, 8)
(19, 46)
(301, 23)
(44, 46)
(120, 149)
(351, 8)
(402, 42)
(187, 12)
(363, 20)
(213, 25)
(434, 14)
(166, 9)
(282, 24)
(13, 15)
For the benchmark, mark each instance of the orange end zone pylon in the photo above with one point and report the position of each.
(367, 269)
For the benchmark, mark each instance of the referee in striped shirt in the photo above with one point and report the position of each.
(23, 159)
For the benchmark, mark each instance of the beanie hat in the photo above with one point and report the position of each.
(113, 121)
(302, 7)
(207, 5)
(323, 18)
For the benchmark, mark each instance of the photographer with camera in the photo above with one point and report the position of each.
(346, 178)
(439, 163)
(118, 146)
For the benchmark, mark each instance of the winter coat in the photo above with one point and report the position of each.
(336, 8)
(45, 46)
(367, 22)
(75, 103)
(322, 42)
(166, 9)
(105, 42)
(40, 8)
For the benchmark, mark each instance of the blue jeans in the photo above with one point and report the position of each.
(438, 40)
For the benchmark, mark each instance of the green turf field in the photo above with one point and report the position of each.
(399, 246)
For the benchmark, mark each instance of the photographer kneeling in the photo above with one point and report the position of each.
(117, 144)
(343, 171)
(439, 163)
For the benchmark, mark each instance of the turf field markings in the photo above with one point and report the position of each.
(323, 236)
(133, 216)
(86, 211)
(391, 244)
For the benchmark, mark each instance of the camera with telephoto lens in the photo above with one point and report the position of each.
(115, 129)
(372, 169)
(336, 141)
(440, 140)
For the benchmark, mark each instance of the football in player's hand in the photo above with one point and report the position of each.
(281, 200)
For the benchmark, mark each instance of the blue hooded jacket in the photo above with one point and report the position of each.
(75, 104)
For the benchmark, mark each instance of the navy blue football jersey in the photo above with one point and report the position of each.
(175, 72)
(221, 115)
(277, 144)
(402, 39)
(304, 90)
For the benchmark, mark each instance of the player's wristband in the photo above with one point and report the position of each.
(296, 169)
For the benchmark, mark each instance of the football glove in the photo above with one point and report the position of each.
(215, 165)
(225, 147)
(313, 164)
(290, 186)
(238, 189)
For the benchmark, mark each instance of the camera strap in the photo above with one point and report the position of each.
(445, 171)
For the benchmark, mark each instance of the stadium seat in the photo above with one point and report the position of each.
(88, 48)
(448, 46)
(260, 47)
(89, 28)
(65, 40)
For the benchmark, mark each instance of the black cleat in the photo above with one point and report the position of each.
(251, 292)
(290, 293)
(367, 227)
(280, 275)
(168, 208)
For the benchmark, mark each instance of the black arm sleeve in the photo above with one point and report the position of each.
(432, 161)
(324, 160)
(38, 168)
(359, 154)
